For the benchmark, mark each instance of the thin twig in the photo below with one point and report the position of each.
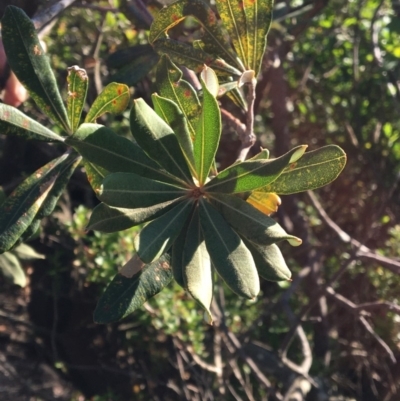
(362, 250)
(249, 139)
(231, 121)
(353, 308)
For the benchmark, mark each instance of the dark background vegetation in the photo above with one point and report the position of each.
(330, 75)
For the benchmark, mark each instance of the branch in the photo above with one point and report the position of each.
(354, 308)
(362, 251)
(249, 139)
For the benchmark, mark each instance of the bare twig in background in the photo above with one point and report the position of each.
(362, 251)
(355, 309)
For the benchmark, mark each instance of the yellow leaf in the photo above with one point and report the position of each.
(266, 202)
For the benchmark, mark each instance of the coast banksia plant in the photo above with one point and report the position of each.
(197, 219)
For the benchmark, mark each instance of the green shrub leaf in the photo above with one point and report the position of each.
(171, 86)
(251, 223)
(135, 284)
(158, 140)
(193, 58)
(229, 255)
(67, 168)
(172, 115)
(113, 99)
(12, 269)
(108, 219)
(159, 235)
(95, 175)
(30, 64)
(197, 273)
(18, 211)
(315, 169)
(78, 83)
(13, 122)
(129, 190)
(213, 36)
(208, 134)
(269, 261)
(247, 23)
(103, 147)
(252, 174)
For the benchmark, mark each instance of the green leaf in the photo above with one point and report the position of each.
(18, 211)
(158, 140)
(109, 219)
(12, 269)
(170, 113)
(171, 86)
(132, 191)
(103, 147)
(214, 37)
(177, 255)
(252, 174)
(113, 99)
(78, 83)
(135, 284)
(250, 222)
(67, 168)
(193, 58)
(247, 23)
(315, 169)
(208, 133)
(229, 255)
(26, 252)
(13, 122)
(197, 273)
(159, 235)
(95, 175)
(30, 64)
(269, 261)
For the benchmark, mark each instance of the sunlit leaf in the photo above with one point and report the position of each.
(197, 273)
(26, 252)
(135, 284)
(171, 86)
(315, 169)
(229, 255)
(173, 116)
(12, 269)
(208, 133)
(78, 83)
(95, 175)
(269, 262)
(247, 22)
(113, 99)
(159, 235)
(213, 36)
(252, 174)
(103, 147)
(13, 122)
(108, 219)
(265, 202)
(67, 168)
(18, 211)
(30, 64)
(193, 58)
(158, 140)
(129, 190)
(250, 222)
